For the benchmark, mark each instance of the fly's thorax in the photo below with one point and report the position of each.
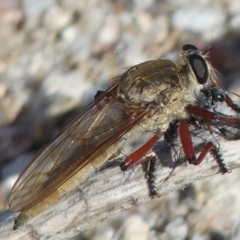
(173, 108)
(144, 82)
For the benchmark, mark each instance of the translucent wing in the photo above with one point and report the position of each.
(102, 123)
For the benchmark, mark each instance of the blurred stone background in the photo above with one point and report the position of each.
(55, 55)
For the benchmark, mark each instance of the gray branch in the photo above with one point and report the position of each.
(111, 191)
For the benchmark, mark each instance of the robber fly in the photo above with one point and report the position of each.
(148, 97)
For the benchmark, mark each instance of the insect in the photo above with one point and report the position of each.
(156, 96)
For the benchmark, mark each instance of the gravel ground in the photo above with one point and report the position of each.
(55, 55)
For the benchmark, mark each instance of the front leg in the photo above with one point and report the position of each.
(208, 115)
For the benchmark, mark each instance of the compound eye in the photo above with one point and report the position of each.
(217, 94)
(189, 48)
(199, 67)
(220, 97)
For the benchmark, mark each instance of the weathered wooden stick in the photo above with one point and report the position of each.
(111, 191)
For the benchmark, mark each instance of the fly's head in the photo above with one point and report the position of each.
(197, 73)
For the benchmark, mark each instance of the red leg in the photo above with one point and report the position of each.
(186, 140)
(207, 148)
(135, 157)
(201, 112)
(187, 145)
